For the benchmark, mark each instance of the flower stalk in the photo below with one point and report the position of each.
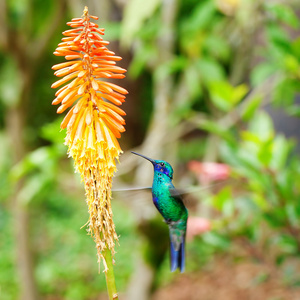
(110, 276)
(93, 122)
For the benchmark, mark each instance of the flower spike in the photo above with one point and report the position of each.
(94, 121)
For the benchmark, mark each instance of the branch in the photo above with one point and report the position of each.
(3, 25)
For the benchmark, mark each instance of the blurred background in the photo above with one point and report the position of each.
(213, 87)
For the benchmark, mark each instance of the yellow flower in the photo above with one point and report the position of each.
(95, 121)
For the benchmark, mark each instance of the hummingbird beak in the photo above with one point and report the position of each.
(151, 160)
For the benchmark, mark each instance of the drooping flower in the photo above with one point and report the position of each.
(197, 226)
(95, 121)
(208, 172)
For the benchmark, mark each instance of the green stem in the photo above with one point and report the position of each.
(110, 276)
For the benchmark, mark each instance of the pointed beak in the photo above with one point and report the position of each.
(150, 159)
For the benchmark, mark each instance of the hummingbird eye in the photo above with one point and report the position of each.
(162, 164)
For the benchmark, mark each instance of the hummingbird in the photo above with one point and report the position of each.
(170, 205)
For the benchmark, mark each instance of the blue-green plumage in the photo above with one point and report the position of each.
(169, 203)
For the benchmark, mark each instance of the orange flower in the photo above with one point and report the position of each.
(95, 121)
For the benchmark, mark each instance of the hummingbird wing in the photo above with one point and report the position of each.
(174, 192)
(132, 189)
(195, 188)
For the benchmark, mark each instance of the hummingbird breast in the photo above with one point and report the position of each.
(170, 207)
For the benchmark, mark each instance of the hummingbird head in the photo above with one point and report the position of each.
(160, 166)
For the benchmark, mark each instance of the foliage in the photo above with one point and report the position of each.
(225, 71)
(226, 68)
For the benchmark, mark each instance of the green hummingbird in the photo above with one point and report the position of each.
(169, 203)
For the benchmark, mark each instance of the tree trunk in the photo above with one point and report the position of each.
(15, 128)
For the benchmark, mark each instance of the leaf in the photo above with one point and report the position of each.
(210, 70)
(250, 137)
(265, 152)
(292, 214)
(178, 63)
(285, 14)
(141, 59)
(260, 201)
(202, 15)
(261, 72)
(10, 82)
(293, 110)
(135, 13)
(225, 96)
(280, 152)
(284, 92)
(32, 188)
(250, 109)
(52, 132)
(261, 125)
(200, 18)
(193, 29)
(213, 127)
(217, 240)
(39, 159)
(216, 47)
(278, 35)
(239, 93)
(296, 47)
(287, 243)
(291, 64)
(192, 79)
(224, 201)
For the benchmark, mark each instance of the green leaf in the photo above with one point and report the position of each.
(213, 127)
(142, 58)
(296, 47)
(292, 214)
(200, 18)
(39, 159)
(261, 125)
(223, 201)
(10, 82)
(265, 152)
(135, 13)
(284, 92)
(210, 70)
(216, 240)
(280, 152)
(217, 47)
(260, 201)
(250, 137)
(261, 72)
(239, 92)
(178, 63)
(225, 96)
(285, 14)
(251, 107)
(291, 64)
(293, 110)
(278, 35)
(32, 187)
(192, 79)
(53, 133)
(287, 243)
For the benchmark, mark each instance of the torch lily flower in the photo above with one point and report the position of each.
(94, 120)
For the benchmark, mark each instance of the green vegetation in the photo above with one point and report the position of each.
(202, 77)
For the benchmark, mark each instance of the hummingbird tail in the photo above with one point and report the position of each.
(177, 251)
